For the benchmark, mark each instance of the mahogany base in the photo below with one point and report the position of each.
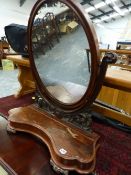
(70, 147)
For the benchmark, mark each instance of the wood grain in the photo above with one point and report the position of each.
(70, 147)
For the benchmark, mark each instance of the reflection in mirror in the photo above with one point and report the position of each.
(61, 52)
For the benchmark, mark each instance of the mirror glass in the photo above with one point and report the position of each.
(61, 52)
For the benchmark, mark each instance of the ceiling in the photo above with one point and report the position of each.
(106, 10)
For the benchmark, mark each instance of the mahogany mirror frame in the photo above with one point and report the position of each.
(87, 25)
(64, 138)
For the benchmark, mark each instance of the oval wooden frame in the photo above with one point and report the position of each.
(90, 93)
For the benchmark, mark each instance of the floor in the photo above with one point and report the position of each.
(8, 82)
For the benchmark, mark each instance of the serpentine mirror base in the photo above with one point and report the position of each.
(70, 147)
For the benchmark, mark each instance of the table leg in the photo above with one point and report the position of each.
(25, 78)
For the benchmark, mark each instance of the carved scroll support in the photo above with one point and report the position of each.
(80, 119)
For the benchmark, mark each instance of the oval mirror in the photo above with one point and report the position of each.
(63, 52)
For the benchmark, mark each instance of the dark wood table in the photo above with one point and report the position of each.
(25, 154)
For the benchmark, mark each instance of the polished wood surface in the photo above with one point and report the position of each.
(70, 147)
(25, 154)
(119, 79)
(18, 59)
(25, 78)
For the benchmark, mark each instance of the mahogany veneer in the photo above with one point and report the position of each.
(70, 147)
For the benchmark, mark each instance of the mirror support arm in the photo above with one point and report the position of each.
(109, 58)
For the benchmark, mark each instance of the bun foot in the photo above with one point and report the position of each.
(57, 169)
(10, 129)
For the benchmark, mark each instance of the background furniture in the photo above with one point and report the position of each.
(116, 93)
(40, 37)
(123, 45)
(4, 44)
(116, 88)
(4, 48)
(50, 24)
(27, 84)
(120, 53)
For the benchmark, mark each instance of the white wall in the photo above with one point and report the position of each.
(11, 12)
(114, 31)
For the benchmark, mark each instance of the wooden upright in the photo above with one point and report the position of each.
(25, 78)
